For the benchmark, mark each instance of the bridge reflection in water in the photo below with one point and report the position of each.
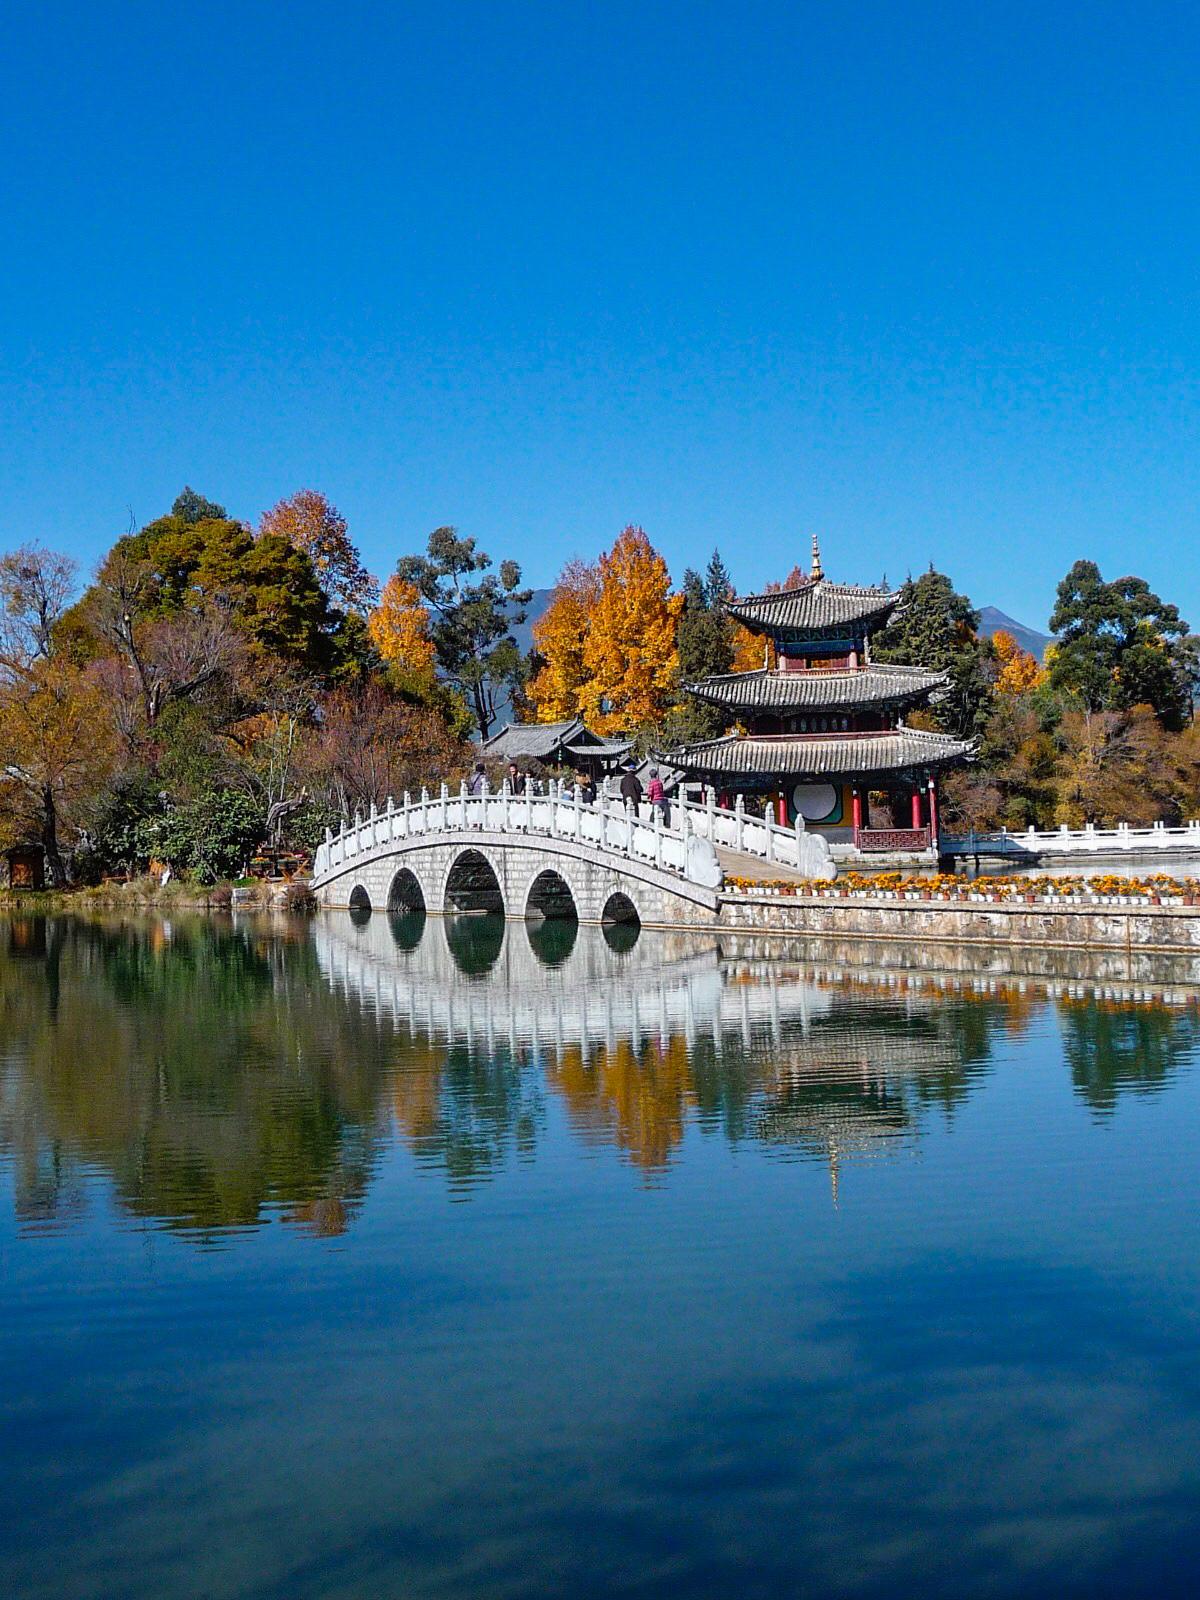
(219, 1076)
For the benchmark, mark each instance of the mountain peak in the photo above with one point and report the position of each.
(993, 621)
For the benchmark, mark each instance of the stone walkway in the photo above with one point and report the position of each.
(736, 864)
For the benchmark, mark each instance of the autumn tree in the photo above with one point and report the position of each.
(1017, 670)
(1111, 767)
(631, 657)
(560, 642)
(366, 744)
(474, 611)
(54, 735)
(309, 522)
(400, 629)
(35, 584)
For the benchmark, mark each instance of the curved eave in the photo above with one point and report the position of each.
(894, 752)
(867, 688)
(815, 610)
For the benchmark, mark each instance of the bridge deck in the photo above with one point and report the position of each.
(737, 864)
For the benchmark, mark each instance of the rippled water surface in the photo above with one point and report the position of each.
(388, 1259)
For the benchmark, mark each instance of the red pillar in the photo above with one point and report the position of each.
(856, 808)
(781, 810)
(916, 808)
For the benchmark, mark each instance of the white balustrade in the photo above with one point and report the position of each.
(609, 824)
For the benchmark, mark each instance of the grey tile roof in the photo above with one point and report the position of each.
(814, 608)
(824, 690)
(602, 747)
(843, 755)
(539, 741)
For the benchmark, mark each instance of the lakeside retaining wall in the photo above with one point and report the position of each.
(1149, 929)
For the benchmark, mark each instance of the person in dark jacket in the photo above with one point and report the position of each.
(516, 779)
(631, 788)
(585, 788)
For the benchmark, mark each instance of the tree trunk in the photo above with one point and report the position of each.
(484, 714)
(54, 860)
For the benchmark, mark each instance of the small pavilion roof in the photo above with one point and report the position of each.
(537, 741)
(814, 608)
(842, 755)
(823, 689)
(610, 749)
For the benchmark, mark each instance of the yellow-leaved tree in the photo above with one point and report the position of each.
(309, 521)
(1018, 669)
(399, 629)
(560, 636)
(629, 656)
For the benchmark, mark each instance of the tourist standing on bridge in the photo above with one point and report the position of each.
(516, 779)
(478, 783)
(657, 795)
(585, 788)
(631, 788)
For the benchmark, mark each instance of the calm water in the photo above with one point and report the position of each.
(387, 1260)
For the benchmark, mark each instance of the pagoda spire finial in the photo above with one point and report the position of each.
(818, 571)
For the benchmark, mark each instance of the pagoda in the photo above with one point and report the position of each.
(819, 732)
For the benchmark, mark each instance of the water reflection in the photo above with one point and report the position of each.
(475, 939)
(201, 1069)
(222, 1075)
(1116, 1049)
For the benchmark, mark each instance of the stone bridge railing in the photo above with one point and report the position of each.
(611, 827)
(607, 826)
(1077, 841)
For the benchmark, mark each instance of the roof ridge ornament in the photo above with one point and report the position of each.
(817, 574)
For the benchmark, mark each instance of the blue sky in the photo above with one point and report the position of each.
(921, 278)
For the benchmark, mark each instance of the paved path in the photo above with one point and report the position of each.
(736, 864)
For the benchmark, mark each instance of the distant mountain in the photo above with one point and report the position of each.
(992, 621)
(523, 632)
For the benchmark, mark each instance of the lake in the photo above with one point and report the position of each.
(391, 1258)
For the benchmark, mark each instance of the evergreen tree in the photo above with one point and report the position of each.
(718, 585)
(1120, 645)
(192, 507)
(935, 626)
(473, 618)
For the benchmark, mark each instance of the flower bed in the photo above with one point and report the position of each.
(1107, 888)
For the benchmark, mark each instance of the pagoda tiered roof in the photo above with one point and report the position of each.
(819, 689)
(814, 608)
(843, 755)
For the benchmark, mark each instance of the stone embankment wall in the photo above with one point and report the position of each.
(1149, 929)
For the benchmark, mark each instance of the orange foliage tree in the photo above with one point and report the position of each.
(560, 636)
(311, 523)
(629, 655)
(399, 629)
(1018, 670)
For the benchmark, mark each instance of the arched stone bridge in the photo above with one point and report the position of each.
(523, 855)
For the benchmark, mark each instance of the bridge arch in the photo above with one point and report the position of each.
(550, 895)
(472, 884)
(360, 902)
(619, 908)
(405, 893)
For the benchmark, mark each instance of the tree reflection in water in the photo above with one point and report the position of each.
(1115, 1049)
(199, 1066)
(221, 1075)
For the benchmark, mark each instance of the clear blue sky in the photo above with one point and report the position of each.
(922, 278)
